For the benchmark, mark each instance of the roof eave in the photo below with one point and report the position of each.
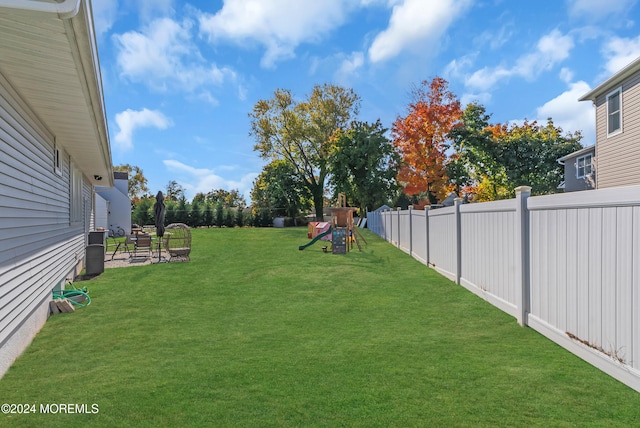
(613, 82)
(87, 142)
(90, 64)
(64, 9)
(577, 153)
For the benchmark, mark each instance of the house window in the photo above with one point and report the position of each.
(614, 112)
(584, 166)
(75, 195)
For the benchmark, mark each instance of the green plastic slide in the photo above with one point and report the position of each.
(313, 241)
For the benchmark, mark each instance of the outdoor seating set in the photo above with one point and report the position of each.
(141, 244)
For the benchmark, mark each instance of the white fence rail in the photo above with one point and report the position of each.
(566, 265)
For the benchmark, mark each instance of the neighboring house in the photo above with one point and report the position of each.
(54, 148)
(617, 103)
(579, 170)
(113, 206)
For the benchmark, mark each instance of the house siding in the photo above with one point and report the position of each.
(618, 157)
(40, 248)
(571, 182)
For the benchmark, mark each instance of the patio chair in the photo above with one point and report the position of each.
(113, 245)
(177, 241)
(142, 244)
(129, 243)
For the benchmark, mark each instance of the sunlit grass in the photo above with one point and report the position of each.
(254, 332)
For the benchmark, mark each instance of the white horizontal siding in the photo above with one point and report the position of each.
(40, 248)
(618, 156)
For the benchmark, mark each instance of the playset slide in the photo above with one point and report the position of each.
(313, 241)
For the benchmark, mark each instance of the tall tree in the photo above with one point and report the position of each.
(137, 185)
(196, 216)
(300, 132)
(200, 197)
(208, 215)
(143, 211)
(476, 167)
(227, 198)
(174, 191)
(279, 190)
(501, 157)
(364, 165)
(183, 210)
(219, 220)
(421, 139)
(530, 154)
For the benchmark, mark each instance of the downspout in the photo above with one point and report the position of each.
(65, 9)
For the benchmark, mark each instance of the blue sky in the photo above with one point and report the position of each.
(180, 77)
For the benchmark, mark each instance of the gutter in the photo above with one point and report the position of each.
(65, 9)
(75, 16)
(613, 81)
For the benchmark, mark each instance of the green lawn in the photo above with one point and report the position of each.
(254, 332)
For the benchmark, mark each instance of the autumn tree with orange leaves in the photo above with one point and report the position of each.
(421, 139)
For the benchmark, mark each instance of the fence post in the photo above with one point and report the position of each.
(458, 240)
(522, 257)
(426, 228)
(410, 230)
(383, 224)
(398, 209)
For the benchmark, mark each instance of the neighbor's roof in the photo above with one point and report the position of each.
(613, 82)
(577, 153)
(48, 53)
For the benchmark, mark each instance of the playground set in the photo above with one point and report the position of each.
(341, 232)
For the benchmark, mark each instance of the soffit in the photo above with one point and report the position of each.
(52, 64)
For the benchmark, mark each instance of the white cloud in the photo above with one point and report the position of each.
(620, 52)
(456, 68)
(597, 10)
(130, 120)
(482, 98)
(163, 56)
(486, 78)
(551, 49)
(415, 23)
(566, 75)
(495, 39)
(278, 25)
(203, 180)
(104, 15)
(151, 8)
(570, 114)
(350, 66)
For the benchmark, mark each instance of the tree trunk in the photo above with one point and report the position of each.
(318, 202)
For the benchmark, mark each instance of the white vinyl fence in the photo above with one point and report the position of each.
(566, 265)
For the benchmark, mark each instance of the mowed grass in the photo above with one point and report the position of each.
(254, 332)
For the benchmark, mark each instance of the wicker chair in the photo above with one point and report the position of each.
(177, 241)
